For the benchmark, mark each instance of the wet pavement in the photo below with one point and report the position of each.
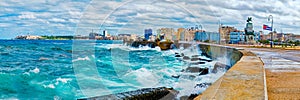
(282, 68)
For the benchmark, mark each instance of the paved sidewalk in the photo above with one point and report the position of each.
(282, 69)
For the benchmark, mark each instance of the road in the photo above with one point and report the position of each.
(282, 69)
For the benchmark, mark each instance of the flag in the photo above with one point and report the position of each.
(266, 27)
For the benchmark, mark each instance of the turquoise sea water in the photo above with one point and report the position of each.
(66, 69)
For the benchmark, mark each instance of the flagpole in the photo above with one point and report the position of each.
(271, 30)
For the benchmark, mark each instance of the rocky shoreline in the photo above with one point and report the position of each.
(193, 65)
(140, 94)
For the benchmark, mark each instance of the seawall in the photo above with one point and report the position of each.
(225, 54)
(244, 80)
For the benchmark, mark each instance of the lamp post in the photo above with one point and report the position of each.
(201, 27)
(200, 32)
(220, 26)
(270, 16)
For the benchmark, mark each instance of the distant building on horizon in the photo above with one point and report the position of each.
(166, 33)
(147, 34)
(125, 37)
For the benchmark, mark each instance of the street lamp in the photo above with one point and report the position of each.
(201, 34)
(271, 17)
(201, 27)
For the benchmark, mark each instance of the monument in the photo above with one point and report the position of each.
(249, 32)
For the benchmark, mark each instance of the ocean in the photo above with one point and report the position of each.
(71, 69)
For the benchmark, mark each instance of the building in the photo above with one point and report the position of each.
(225, 33)
(240, 37)
(133, 37)
(98, 36)
(80, 37)
(190, 35)
(105, 33)
(180, 34)
(200, 36)
(93, 35)
(290, 37)
(236, 37)
(125, 37)
(213, 37)
(167, 33)
(148, 33)
(152, 38)
(297, 38)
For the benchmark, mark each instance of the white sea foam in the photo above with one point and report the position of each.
(143, 76)
(35, 70)
(185, 86)
(80, 59)
(49, 86)
(63, 80)
(144, 48)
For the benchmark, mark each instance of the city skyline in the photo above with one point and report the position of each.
(126, 16)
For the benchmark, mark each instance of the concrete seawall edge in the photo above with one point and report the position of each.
(244, 80)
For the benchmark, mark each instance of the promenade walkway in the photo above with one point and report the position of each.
(282, 69)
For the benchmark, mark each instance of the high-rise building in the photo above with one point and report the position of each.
(148, 33)
(105, 33)
(93, 35)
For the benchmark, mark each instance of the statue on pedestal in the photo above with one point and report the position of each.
(249, 32)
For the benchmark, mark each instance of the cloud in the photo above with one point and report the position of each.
(27, 16)
(131, 16)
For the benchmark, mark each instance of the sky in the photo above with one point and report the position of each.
(80, 17)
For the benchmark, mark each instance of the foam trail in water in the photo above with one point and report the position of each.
(35, 70)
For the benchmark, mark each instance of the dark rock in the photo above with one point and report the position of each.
(201, 71)
(141, 94)
(194, 59)
(182, 54)
(177, 55)
(193, 69)
(204, 71)
(184, 97)
(205, 54)
(191, 77)
(182, 70)
(186, 58)
(200, 62)
(191, 97)
(219, 65)
(195, 56)
(175, 76)
(208, 60)
(197, 63)
(203, 85)
(143, 43)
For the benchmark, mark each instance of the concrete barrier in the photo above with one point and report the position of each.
(243, 81)
(229, 55)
